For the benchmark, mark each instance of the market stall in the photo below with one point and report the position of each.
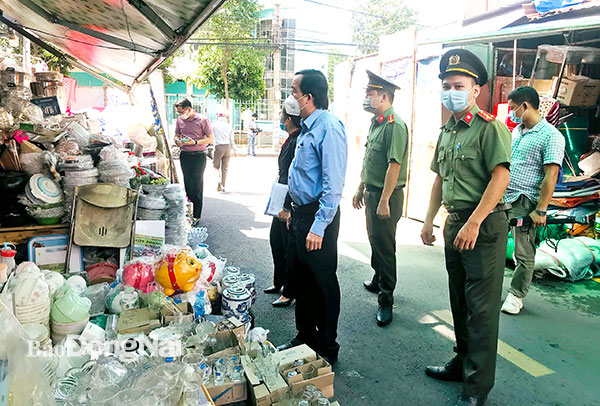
(557, 53)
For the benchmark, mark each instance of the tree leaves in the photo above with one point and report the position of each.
(384, 17)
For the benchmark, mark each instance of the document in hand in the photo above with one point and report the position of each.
(275, 204)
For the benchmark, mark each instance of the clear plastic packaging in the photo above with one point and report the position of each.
(153, 202)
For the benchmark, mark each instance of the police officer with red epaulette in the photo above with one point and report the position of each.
(383, 178)
(471, 163)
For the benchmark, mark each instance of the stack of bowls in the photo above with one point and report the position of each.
(31, 298)
(70, 314)
(44, 200)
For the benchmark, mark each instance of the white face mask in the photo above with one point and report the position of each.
(185, 115)
(368, 104)
(296, 101)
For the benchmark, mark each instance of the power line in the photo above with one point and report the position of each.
(344, 9)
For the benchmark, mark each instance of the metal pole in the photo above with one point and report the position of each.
(561, 74)
(514, 64)
(276, 70)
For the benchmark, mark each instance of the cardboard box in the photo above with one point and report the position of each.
(138, 321)
(207, 397)
(322, 377)
(187, 314)
(230, 392)
(260, 393)
(579, 91)
(545, 87)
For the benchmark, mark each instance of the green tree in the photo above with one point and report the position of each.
(332, 60)
(380, 17)
(234, 65)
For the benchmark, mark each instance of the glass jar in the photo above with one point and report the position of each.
(130, 299)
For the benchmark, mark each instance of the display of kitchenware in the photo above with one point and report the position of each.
(230, 281)
(231, 270)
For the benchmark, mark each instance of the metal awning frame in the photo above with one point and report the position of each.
(176, 38)
(60, 54)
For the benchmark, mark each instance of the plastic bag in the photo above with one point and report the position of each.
(570, 258)
(27, 381)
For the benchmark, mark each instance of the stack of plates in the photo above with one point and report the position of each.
(62, 330)
(38, 333)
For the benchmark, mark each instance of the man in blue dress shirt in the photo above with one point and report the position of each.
(316, 181)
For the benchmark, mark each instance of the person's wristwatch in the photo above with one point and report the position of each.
(541, 213)
(195, 142)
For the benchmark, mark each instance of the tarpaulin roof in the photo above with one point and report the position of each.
(530, 30)
(125, 39)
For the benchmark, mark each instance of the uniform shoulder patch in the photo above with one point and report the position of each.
(391, 119)
(380, 119)
(485, 115)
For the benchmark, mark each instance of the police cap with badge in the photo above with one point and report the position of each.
(463, 62)
(376, 82)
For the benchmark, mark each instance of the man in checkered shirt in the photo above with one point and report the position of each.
(538, 150)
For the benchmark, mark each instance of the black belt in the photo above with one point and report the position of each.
(193, 152)
(463, 215)
(376, 189)
(310, 208)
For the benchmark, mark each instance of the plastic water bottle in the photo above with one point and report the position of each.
(7, 256)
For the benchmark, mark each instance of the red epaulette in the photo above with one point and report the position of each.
(486, 116)
(468, 118)
(380, 119)
(391, 119)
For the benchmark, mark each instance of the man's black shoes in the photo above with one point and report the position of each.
(452, 371)
(371, 287)
(384, 315)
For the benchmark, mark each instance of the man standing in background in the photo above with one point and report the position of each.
(193, 134)
(252, 134)
(383, 178)
(224, 147)
(538, 150)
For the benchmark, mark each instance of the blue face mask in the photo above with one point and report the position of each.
(281, 125)
(456, 100)
(513, 116)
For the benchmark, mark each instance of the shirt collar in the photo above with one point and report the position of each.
(467, 119)
(380, 119)
(535, 128)
(310, 120)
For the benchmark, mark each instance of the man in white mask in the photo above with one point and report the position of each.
(381, 190)
(472, 166)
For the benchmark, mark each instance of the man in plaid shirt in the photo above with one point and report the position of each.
(538, 150)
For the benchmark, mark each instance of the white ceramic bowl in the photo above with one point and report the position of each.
(30, 291)
(78, 283)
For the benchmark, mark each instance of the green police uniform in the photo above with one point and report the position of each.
(467, 152)
(387, 142)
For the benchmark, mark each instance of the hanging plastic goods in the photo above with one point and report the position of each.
(77, 133)
(7, 256)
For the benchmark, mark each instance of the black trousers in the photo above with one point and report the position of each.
(475, 281)
(281, 248)
(382, 236)
(193, 165)
(316, 285)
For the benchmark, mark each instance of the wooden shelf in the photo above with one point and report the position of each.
(21, 235)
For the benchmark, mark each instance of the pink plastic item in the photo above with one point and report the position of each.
(139, 275)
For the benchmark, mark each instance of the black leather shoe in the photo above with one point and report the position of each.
(384, 315)
(294, 343)
(371, 287)
(470, 401)
(282, 303)
(272, 289)
(452, 371)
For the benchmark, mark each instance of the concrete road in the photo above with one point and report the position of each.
(548, 355)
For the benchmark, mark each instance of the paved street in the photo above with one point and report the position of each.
(549, 354)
